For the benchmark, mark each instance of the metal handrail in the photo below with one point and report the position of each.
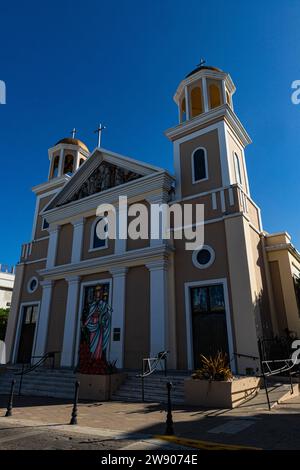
(246, 355)
(150, 365)
(40, 362)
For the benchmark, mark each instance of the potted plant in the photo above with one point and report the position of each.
(213, 384)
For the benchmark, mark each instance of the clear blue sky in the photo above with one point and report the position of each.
(75, 63)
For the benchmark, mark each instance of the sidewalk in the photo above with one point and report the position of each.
(246, 426)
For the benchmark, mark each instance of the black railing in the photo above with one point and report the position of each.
(41, 361)
(150, 365)
(282, 365)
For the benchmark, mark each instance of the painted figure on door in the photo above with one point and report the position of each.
(98, 324)
(95, 330)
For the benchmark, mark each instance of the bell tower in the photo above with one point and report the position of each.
(209, 140)
(66, 156)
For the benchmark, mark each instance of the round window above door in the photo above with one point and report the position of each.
(204, 257)
(32, 285)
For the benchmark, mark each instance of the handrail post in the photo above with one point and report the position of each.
(10, 401)
(169, 422)
(74, 410)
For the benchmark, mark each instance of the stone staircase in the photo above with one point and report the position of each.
(155, 388)
(40, 382)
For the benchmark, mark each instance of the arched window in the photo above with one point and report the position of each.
(199, 165)
(183, 110)
(214, 96)
(99, 234)
(82, 160)
(228, 98)
(238, 172)
(69, 164)
(55, 167)
(196, 101)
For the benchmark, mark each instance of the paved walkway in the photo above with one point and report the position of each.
(134, 423)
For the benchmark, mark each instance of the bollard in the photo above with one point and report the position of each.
(169, 422)
(10, 401)
(74, 411)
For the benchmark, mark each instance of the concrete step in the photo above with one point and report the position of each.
(41, 382)
(154, 388)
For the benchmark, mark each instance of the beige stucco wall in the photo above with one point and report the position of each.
(39, 233)
(281, 265)
(64, 245)
(278, 297)
(86, 254)
(244, 288)
(139, 243)
(209, 141)
(57, 317)
(235, 147)
(185, 271)
(137, 317)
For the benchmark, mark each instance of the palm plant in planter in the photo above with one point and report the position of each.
(214, 368)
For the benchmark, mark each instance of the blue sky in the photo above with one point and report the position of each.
(75, 63)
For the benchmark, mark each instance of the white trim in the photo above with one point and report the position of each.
(210, 262)
(36, 211)
(70, 326)
(43, 323)
(19, 329)
(204, 94)
(34, 261)
(79, 311)
(52, 245)
(158, 305)
(222, 198)
(91, 247)
(29, 290)
(78, 232)
(118, 316)
(194, 181)
(214, 200)
(237, 168)
(187, 104)
(188, 316)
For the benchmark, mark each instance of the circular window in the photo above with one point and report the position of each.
(204, 257)
(32, 285)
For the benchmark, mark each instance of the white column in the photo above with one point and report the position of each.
(70, 329)
(204, 92)
(156, 199)
(118, 316)
(61, 162)
(43, 320)
(158, 306)
(187, 103)
(78, 226)
(52, 247)
(120, 243)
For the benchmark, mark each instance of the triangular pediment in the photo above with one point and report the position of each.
(102, 171)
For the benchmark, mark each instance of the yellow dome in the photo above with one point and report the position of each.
(71, 141)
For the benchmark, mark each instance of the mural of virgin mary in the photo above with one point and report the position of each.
(98, 323)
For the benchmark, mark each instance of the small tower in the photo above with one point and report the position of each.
(66, 157)
(203, 89)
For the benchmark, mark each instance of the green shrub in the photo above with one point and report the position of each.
(213, 368)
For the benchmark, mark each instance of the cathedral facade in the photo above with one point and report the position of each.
(88, 298)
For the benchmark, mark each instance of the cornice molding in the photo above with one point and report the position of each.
(223, 112)
(108, 263)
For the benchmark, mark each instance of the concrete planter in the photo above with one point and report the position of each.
(99, 387)
(218, 394)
